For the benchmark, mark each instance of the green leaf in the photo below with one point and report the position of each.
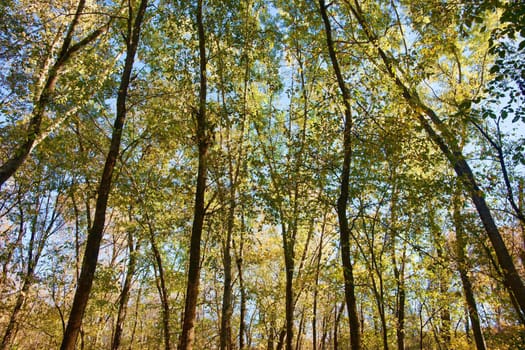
(521, 45)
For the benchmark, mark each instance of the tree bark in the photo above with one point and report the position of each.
(289, 292)
(234, 166)
(462, 267)
(342, 202)
(187, 337)
(227, 310)
(89, 263)
(337, 320)
(160, 281)
(242, 288)
(316, 287)
(124, 294)
(399, 273)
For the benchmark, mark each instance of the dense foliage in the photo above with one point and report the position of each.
(262, 174)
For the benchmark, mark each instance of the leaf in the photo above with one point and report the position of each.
(466, 104)
(521, 45)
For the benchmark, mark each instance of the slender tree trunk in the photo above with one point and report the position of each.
(399, 275)
(325, 333)
(160, 281)
(399, 271)
(124, 294)
(289, 294)
(298, 340)
(187, 337)
(342, 202)
(442, 328)
(135, 316)
(337, 318)
(421, 327)
(242, 289)
(233, 174)
(522, 225)
(226, 313)
(280, 342)
(448, 145)
(89, 263)
(462, 267)
(382, 317)
(316, 287)
(444, 336)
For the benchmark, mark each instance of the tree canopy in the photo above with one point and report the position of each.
(262, 174)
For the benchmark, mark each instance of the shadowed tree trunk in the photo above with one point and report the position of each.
(242, 288)
(124, 294)
(227, 310)
(89, 263)
(337, 317)
(342, 202)
(187, 337)
(462, 267)
(160, 282)
(399, 273)
(316, 287)
(234, 168)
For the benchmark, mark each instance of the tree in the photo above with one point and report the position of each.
(462, 267)
(290, 174)
(45, 86)
(443, 137)
(342, 202)
(39, 218)
(203, 139)
(89, 262)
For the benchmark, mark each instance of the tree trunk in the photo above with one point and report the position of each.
(289, 295)
(522, 225)
(511, 277)
(462, 267)
(342, 202)
(280, 342)
(399, 274)
(192, 292)
(234, 167)
(226, 313)
(242, 289)
(399, 271)
(124, 294)
(337, 318)
(89, 263)
(316, 287)
(160, 281)
(298, 340)
(325, 333)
